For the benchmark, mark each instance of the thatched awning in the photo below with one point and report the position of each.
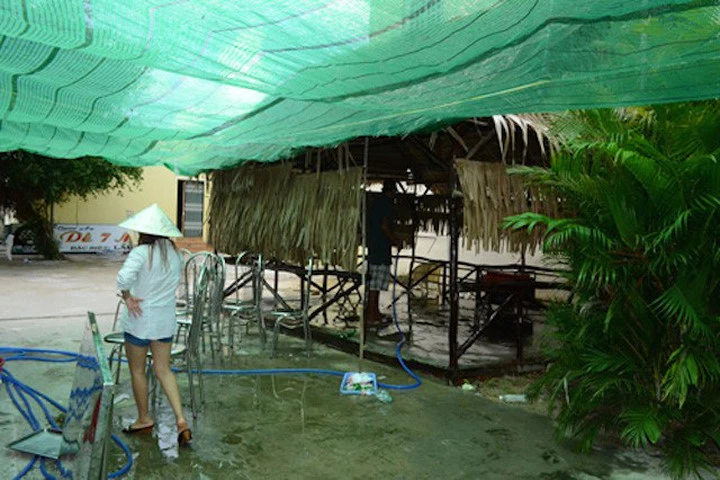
(311, 203)
(287, 215)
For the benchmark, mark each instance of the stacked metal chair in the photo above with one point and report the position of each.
(295, 318)
(186, 347)
(213, 267)
(242, 312)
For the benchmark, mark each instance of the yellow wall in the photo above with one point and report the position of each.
(159, 185)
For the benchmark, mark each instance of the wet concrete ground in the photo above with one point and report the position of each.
(286, 426)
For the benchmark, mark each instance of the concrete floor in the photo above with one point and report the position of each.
(286, 426)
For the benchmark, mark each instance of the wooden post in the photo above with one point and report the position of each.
(324, 292)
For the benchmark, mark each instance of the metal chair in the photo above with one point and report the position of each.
(242, 312)
(117, 340)
(295, 318)
(183, 291)
(190, 350)
(193, 364)
(213, 267)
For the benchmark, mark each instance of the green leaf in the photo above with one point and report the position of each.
(642, 427)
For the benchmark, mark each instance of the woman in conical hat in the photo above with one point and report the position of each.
(147, 282)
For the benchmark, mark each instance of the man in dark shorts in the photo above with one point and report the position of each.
(380, 238)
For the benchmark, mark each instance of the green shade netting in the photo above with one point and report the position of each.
(201, 85)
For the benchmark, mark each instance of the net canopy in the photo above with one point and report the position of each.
(198, 85)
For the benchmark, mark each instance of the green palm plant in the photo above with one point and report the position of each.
(635, 354)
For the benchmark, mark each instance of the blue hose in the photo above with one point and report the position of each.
(128, 455)
(27, 468)
(43, 396)
(38, 400)
(27, 417)
(23, 350)
(400, 344)
(273, 371)
(26, 412)
(41, 359)
(44, 471)
(21, 389)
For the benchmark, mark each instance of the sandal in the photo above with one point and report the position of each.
(185, 437)
(145, 428)
(382, 323)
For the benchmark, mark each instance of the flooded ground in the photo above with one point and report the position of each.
(287, 426)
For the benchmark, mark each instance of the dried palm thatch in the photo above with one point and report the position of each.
(433, 214)
(490, 195)
(287, 216)
(506, 129)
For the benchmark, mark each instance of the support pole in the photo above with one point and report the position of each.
(454, 291)
(363, 275)
(324, 291)
(276, 282)
(412, 259)
(443, 293)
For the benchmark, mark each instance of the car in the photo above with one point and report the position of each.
(23, 242)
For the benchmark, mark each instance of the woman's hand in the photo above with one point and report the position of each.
(133, 305)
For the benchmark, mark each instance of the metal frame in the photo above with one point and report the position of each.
(295, 318)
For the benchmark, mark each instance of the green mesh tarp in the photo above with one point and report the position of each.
(197, 85)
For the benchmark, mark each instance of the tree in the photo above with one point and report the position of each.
(31, 183)
(635, 355)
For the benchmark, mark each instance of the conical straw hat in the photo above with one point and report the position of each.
(152, 221)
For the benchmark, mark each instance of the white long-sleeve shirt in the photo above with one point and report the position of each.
(156, 285)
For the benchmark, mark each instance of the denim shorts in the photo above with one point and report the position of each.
(141, 342)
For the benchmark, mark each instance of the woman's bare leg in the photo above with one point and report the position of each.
(161, 366)
(137, 358)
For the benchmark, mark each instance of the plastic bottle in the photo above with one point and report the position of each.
(384, 396)
(512, 398)
(468, 387)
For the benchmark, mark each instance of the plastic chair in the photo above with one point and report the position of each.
(242, 312)
(295, 318)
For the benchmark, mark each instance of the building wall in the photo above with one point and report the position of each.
(159, 185)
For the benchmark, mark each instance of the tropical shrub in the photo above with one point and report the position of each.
(635, 353)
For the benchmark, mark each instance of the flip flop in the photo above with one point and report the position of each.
(392, 337)
(130, 429)
(185, 437)
(382, 323)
